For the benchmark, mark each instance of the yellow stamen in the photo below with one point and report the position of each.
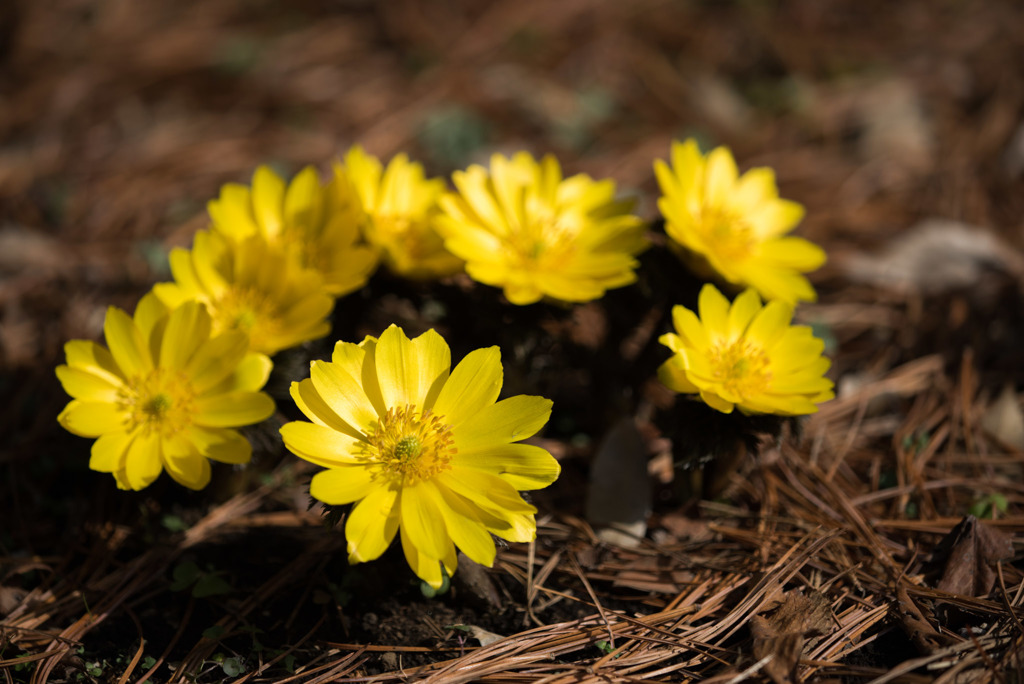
(742, 368)
(161, 401)
(730, 235)
(410, 447)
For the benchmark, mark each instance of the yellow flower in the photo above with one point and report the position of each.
(166, 395)
(421, 450)
(746, 356)
(397, 208)
(310, 221)
(522, 227)
(736, 223)
(252, 287)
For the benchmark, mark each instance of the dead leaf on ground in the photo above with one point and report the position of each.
(974, 549)
(1004, 419)
(619, 495)
(935, 256)
(926, 638)
(783, 634)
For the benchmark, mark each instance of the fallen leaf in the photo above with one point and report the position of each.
(10, 598)
(783, 634)
(896, 129)
(619, 496)
(483, 636)
(918, 627)
(473, 579)
(935, 256)
(974, 549)
(1004, 420)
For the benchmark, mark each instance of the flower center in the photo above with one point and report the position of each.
(409, 446)
(545, 235)
(732, 237)
(742, 368)
(161, 401)
(245, 309)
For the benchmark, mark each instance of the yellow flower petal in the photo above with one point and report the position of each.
(344, 394)
(672, 374)
(233, 408)
(426, 568)
(509, 420)
(91, 357)
(464, 527)
(150, 312)
(691, 331)
(92, 418)
(143, 463)
(110, 451)
(473, 385)
(267, 200)
(716, 402)
(309, 401)
(87, 385)
(188, 326)
(486, 490)
(714, 311)
(321, 445)
(220, 444)
(523, 466)
(127, 346)
(420, 516)
(342, 484)
(769, 325)
(232, 211)
(359, 362)
(406, 378)
(372, 524)
(219, 358)
(742, 312)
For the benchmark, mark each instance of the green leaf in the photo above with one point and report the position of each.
(214, 633)
(210, 585)
(184, 575)
(173, 523)
(233, 666)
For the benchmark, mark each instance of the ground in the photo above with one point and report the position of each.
(878, 540)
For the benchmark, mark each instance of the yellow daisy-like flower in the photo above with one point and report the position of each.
(522, 227)
(312, 222)
(166, 395)
(745, 355)
(736, 223)
(420, 449)
(250, 286)
(396, 208)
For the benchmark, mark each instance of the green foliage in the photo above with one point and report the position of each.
(204, 583)
(989, 506)
(452, 134)
(173, 523)
(429, 591)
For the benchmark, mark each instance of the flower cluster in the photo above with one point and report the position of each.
(420, 450)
